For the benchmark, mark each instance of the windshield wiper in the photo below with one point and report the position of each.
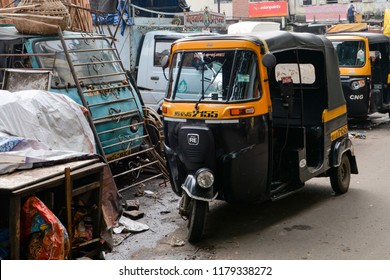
(202, 97)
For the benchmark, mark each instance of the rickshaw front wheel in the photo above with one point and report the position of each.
(340, 176)
(197, 220)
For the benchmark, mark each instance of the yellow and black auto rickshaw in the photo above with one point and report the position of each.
(364, 71)
(251, 118)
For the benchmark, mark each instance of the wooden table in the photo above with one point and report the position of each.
(64, 181)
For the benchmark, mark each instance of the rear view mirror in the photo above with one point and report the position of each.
(165, 61)
(269, 60)
(165, 64)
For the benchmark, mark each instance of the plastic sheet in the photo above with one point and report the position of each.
(45, 235)
(46, 125)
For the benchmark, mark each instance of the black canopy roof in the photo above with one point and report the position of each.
(373, 38)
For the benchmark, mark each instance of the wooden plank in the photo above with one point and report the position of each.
(14, 227)
(85, 188)
(15, 9)
(22, 178)
(68, 206)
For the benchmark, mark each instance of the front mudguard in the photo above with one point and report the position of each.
(195, 192)
(173, 169)
(341, 146)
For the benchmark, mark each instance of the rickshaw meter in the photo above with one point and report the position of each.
(204, 178)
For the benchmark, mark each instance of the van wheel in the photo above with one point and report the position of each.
(340, 176)
(197, 220)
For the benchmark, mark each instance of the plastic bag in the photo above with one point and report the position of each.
(43, 232)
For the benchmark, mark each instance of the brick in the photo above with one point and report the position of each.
(134, 214)
(131, 204)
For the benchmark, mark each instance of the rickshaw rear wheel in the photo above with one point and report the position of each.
(197, 220)
(340, 176)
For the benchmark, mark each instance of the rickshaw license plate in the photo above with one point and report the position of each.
(339, 132)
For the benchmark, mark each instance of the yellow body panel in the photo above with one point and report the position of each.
(217, 45)
(212, 111)
(332, 114)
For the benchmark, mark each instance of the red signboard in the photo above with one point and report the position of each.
(268, 9)
(326, 13)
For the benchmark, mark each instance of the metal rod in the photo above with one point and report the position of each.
(102, 89)
(91, 50)
(115, 129)
(27, 54)
(96, 62)
(81, 95)
(125, 142)
(138, 183)
(121, 18)
(110, 102)
(131, 155)
(136, 168)
(119, 115)
(103, 75)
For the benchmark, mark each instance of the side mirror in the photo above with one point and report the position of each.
(269, 60)
(165, 62)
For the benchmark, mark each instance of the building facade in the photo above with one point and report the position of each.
(331, 11)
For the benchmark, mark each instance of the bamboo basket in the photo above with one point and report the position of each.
(3, 4)
(56, 13)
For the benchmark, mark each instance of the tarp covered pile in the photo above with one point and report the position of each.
(41, 126)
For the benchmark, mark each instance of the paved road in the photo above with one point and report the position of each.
(311, 224)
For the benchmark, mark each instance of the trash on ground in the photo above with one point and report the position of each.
(119, 238)
(357, 135)
(178, 243)
(131, 204)
(149, 193)
(128, 225)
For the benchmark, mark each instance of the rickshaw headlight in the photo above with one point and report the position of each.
(205, 178)
(358, 84)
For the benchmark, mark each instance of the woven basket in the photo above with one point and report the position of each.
(46, 8)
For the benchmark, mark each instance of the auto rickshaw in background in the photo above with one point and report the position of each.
(276, 118)
(364, 71)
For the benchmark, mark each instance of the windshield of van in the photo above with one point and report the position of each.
(214, 76)
(350, 53)
(91, 57)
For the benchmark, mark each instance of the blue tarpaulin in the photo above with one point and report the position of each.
(108, 16)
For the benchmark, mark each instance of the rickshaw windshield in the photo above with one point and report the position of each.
(214, 76)
(350, 53)
(93, 57)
